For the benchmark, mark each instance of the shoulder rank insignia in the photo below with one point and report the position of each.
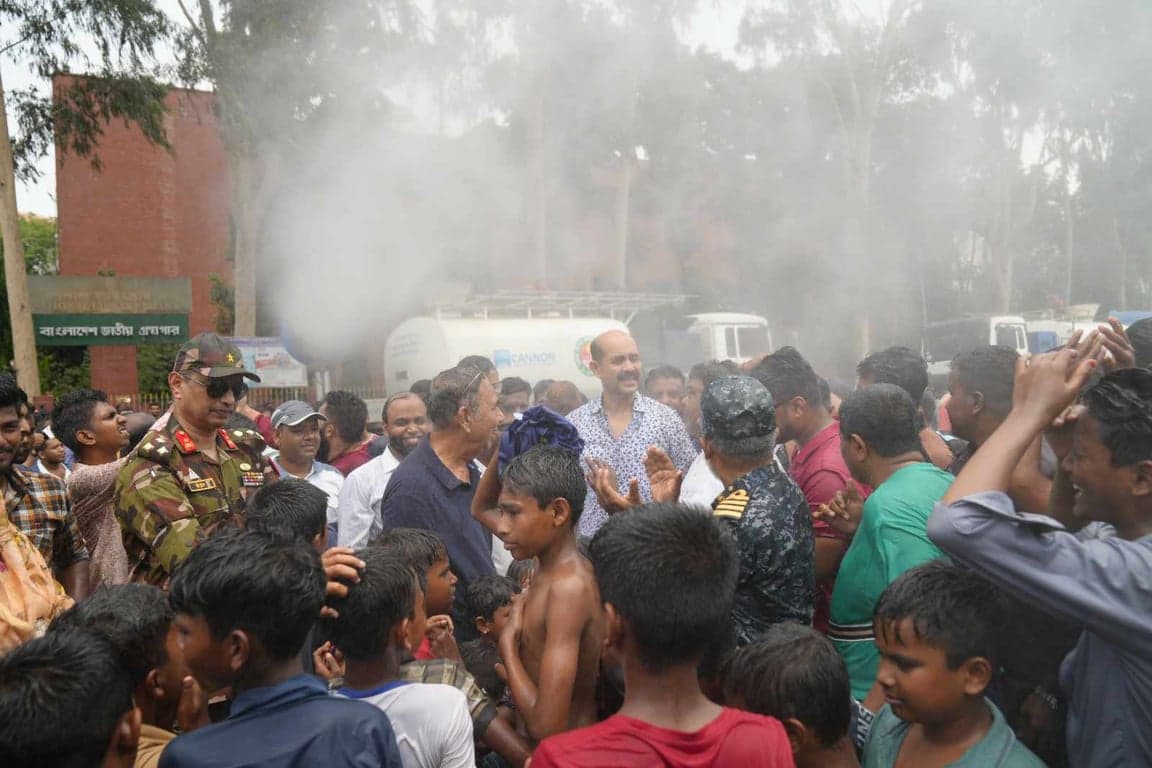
(203, 484)
(732, 506)
(184, 442)
(228, 440)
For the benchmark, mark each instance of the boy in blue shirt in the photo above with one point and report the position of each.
(935, 628)
(244, 605)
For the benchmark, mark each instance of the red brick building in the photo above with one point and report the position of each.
(148, 212)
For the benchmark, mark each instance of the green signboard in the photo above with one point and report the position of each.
(98, 330)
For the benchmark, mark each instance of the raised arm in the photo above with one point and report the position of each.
(1045, 386)
(544, 704)
(487, 495)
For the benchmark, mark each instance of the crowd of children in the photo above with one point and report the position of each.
(268, 647)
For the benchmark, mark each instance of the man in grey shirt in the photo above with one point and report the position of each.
(1103, 585)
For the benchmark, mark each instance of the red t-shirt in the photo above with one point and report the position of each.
(820, 471)
(735, 738)
(353, 458)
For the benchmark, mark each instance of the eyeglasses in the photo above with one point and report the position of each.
(217, 388)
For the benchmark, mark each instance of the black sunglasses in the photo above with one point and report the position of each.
(216, 388)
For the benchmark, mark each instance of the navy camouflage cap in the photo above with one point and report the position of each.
(212, 355)
(737, 407)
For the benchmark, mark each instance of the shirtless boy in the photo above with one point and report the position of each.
(551, 645)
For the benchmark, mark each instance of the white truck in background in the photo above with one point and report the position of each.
(948, 338)
(537, 335)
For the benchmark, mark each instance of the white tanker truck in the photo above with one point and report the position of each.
(547, 336)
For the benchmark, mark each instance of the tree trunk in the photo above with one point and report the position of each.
(244, 246)
(623, 211)
(539, 195)
(1122, 258)
(15, 276)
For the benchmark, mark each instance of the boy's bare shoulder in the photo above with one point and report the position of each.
(572, 586)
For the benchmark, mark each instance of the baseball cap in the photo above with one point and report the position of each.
(293, 412)
(737, 407)
(212, 355)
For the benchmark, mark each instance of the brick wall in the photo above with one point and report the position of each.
(148, 212)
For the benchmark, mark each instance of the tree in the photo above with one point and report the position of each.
(284, 71)
(48, 35)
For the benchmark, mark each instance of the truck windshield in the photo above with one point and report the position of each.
(1011, 335)
(753, 341)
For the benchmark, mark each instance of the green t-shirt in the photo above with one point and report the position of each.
(891, 539)
(998, 749)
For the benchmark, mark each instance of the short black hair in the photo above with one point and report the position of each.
(374, 606)
(709, 371)
(1140, 334)
(884, 416)
(540, 388)
(514, 384)
(73, 412)
(291, 507)
(452, 389)
(670, 572)
(480, 658)
(134, 618)
(547, 473)
(901, 366)
(951, 608)
(61, 697)
(11, 396)
(347, 412)
(479, 362)
(794, 671)
(786, 374)
(418, 548)
(991, 371)
(268, 587)
(488, 594)
(664, 372)
(518, 569)
(1121, 403)
(422, 388)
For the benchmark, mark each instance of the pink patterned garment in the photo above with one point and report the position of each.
(90, 488)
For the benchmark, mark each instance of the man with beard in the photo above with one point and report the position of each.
(296, 428)
(619, 427)
(191, 475)
(405, 423)
(37, 504)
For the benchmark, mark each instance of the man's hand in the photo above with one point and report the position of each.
(1051, 382)
(328, 661)
(441, 641)
(663, 477)
(192, 709)
(1115, 341)
(602, 479)
(340, 565)
(844, 511)
(1059, 433)
(510, 637)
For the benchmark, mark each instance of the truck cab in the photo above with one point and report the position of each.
(731, 336)
(944, 340)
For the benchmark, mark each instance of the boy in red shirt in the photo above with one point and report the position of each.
(667, 575)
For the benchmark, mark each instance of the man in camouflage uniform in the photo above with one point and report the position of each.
(190, 476)
(766, 510)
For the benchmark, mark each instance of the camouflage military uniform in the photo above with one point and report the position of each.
(766, 511)
(170, 496)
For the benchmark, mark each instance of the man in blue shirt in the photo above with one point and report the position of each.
(433, 488)
(244, 604)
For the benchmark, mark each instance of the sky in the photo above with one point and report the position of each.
(715, 27)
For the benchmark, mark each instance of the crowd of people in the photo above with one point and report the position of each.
(741, 565)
